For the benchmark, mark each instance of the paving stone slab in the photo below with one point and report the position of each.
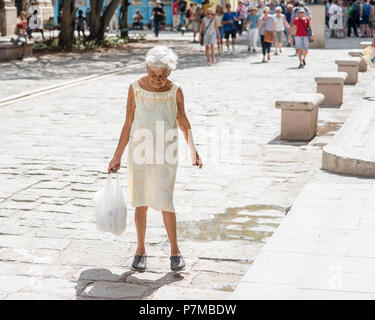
(183, 293)
(114, 290)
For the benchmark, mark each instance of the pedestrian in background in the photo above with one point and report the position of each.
(333, 12)
(20, 30)
(288, 16)
(352, 24)
(81, 20)
(210, 33)
(340, 19)
(190, 15)
(267, 33)
(198, 12)
(253, 19)
(301, 24)
(158, 14)
(219, 21)
(182, 8)
(280, 25)
(242, 12)
(154, 101)
(372, 18)
(230, 29)
(176, 16)
(35, 24)
(365, 12)
(137, 20)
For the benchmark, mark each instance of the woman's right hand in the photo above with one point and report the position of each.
(114, 165)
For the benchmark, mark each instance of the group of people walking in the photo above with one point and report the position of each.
(344, 18)
(268, 23)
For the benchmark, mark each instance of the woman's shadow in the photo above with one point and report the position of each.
(101, 283)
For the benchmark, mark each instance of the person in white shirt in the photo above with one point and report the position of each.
(280, 26)
(333, 18)
(35, 24)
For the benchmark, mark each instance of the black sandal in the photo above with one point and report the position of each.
(177, 263)
(139, 263)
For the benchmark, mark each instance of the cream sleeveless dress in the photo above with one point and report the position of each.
(151, 177)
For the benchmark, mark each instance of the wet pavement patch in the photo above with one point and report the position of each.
(253, 223)
(329, 128)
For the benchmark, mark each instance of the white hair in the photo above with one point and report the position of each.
(160, 57)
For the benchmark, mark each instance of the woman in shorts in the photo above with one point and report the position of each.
(230, 29)
(300, 27)
(281, 24)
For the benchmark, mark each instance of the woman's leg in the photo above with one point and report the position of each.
(304, 54)
(255, 38)
(268, 49)
(140, 218)
(263, 45)
(213, 53)
(169, 219)
(208, 54)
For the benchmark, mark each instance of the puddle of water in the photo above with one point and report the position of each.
(252, 223)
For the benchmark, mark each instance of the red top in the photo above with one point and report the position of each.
(175, 8)
(301, 25)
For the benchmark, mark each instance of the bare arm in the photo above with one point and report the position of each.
(286, 24)
(125, 132)
(217, 29)
(201, 28)
(184, 125)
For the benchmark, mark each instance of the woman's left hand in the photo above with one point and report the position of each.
(197, 161)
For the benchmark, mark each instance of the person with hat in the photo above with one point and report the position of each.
(158, 14)
(301, 24)
(253, 19)
(281, 24)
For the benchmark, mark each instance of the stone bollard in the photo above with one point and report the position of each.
(299, 116)
(351, 67)
(364, 44)
(331, 85)
(362, 64)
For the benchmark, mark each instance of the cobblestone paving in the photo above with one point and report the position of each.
(55, 149)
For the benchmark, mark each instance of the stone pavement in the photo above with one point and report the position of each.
(56, 147)
(324, 247)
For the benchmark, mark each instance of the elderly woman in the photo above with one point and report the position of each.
(266, 26)
(210, 33)
(155, 107)
(281, 24)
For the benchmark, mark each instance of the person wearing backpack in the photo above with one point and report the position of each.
(365, 18)
(352, 22)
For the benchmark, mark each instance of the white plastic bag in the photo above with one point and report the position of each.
(110, 209)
